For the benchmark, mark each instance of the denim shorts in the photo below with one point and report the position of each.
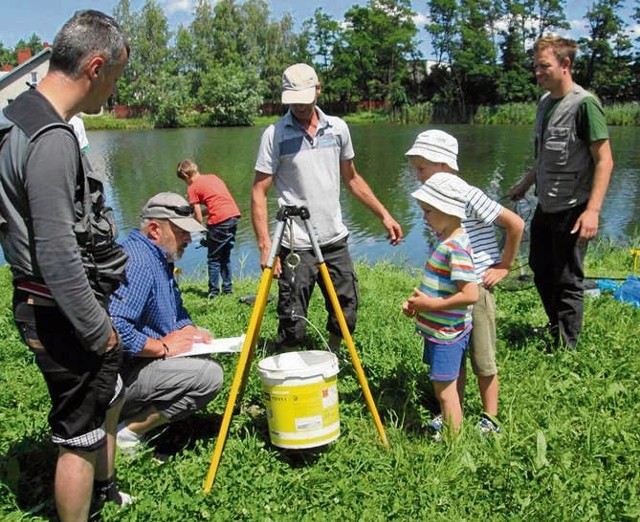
(82, 385)
(445, 360)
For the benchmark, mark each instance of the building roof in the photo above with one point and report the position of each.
(20, 70)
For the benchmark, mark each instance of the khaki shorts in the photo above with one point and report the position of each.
(482, 345)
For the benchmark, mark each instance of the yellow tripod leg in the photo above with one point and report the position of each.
(346, 335)
(244, 363)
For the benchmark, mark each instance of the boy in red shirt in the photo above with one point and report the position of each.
(222, 221)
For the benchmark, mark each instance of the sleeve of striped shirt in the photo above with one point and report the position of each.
(482, 207)
(462, 268)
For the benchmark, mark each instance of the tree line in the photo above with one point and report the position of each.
(226, 64)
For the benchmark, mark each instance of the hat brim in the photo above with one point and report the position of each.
(433, 156)
(303, 96)
(188, 224)
(439, 204)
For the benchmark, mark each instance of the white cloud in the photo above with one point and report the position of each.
(420, 20)
(176, 6)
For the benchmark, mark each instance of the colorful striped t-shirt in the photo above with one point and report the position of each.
(450, 261)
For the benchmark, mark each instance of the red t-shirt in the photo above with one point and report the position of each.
(210, 190)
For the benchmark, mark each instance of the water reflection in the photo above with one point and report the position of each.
(139, 164)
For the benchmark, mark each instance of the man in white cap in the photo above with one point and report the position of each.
(154, 326)
(304, 155)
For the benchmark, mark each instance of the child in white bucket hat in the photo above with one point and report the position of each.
(435, 151)
(442, 304)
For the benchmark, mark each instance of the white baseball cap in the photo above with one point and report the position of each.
(437, 146)
(299, 84)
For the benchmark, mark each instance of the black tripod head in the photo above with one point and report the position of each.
(289, 211)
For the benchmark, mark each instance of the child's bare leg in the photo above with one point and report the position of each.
(488, 387)
(447, 394)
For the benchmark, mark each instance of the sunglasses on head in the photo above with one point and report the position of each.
(181, 210)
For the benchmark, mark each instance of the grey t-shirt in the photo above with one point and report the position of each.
(50, 186)
(306, 172)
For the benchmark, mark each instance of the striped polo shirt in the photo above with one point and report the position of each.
(482, 213)
(306, 171)
(450, 261)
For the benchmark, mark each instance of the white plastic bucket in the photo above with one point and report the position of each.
(301, 398)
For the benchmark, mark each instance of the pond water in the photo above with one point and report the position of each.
(139, 164)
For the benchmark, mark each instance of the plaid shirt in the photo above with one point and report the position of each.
(149, 304)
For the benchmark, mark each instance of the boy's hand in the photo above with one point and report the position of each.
(494, 275)
(420, 302)
(407, 310)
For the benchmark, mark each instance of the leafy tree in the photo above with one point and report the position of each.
(442, 27)
(474, 60)
(203, 38)
(152, 44)
(551, 16)
(172, 99)
(324, 32)
(515, 82)
(374, 48)
(282, 47)
(230, 95)
(635, 88)
(7, 56)
(227, 33)
(606, 68)
(34, 44)
(129, 24)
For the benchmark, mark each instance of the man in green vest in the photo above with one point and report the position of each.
(571, 172)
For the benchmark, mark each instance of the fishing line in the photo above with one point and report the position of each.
(523, 208)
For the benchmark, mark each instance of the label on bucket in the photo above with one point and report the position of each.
(303, 416)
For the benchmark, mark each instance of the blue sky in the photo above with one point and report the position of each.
(20, 19)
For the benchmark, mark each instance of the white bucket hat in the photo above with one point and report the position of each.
(445, 192)
(299, 84)
(437, 146)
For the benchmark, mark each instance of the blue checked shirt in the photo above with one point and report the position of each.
(149, 304)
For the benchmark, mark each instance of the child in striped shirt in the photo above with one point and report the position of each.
(442, 304)
(435, 154)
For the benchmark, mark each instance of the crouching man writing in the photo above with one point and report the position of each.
(154, 326)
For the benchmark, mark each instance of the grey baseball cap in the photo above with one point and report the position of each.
(172, 207)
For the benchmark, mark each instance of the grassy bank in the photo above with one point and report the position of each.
(570, 447)
(106, 121)
(627, 114)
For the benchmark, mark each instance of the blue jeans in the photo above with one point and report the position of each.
(221, 240)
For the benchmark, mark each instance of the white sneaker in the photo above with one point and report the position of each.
(125, 499)
(127, 442)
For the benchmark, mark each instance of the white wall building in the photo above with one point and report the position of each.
(26, 74)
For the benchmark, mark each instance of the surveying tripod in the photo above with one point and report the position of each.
(285, 214)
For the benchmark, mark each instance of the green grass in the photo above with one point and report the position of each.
(570, 448)
(108, 122)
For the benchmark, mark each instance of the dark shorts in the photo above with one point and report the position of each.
(82, 385)
(296, 286)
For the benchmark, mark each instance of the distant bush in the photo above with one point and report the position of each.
(623, 114)
(107, 121)
(420, 113)
(507, 114)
